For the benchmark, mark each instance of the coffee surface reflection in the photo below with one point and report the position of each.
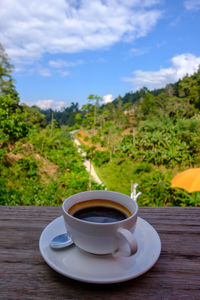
(99, 211)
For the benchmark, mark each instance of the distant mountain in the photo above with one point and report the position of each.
(182, 88)
(64, 117)
(183, 93)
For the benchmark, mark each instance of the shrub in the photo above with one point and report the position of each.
(23, 182)
(101, 157)
(86, 138)
(164, 142)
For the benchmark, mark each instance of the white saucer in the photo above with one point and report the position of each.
(80, 265)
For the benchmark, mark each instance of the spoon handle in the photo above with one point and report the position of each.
(61, 241)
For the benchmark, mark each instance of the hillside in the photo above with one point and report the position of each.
(148, 142)
(180, 99)
(145, 137)
(41, 169)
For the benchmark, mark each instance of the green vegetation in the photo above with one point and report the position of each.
(160, 149)
(148, 137)
(153, 182)
(7, 86)
(65, 117)
(145, 137)
(164, 142)
(38, 165)
(42, 169)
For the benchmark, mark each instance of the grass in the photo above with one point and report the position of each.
(154, 182)
(117, 175)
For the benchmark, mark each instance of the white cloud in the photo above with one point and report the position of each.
(59, 63)
(18, 69)
(192, 4)
(31, 29)
(44, 72)
(181, 65)
(138, 51)
(63, 73)
(107, 98)
(45, 104)
(60, 66)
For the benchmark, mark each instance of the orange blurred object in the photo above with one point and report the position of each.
(188, 180)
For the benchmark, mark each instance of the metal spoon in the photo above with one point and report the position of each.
(61, 241)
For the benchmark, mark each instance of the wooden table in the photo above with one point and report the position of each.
(25, 275)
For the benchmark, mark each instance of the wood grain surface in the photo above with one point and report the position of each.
(25, 275)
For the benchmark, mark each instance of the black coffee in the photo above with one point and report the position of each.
(100, 214)
(99, 211)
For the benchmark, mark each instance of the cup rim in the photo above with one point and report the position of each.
(96, 223)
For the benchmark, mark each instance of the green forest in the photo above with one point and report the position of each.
(144, 136)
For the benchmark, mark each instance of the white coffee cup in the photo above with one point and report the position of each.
(102, 238)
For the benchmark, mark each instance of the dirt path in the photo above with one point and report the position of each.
(86, 162)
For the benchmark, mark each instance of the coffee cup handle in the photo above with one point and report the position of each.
(128, 236)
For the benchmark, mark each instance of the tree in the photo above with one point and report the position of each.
(33, 116)
(65, 117)
(189, 88)
(102, 116)
(96, 99)
(79, 118)
(148, 104)
(170, 90)
(88, 115)
(89, 156)
(12, 125)
(7, 86)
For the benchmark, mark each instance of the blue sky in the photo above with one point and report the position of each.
(65, 50)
